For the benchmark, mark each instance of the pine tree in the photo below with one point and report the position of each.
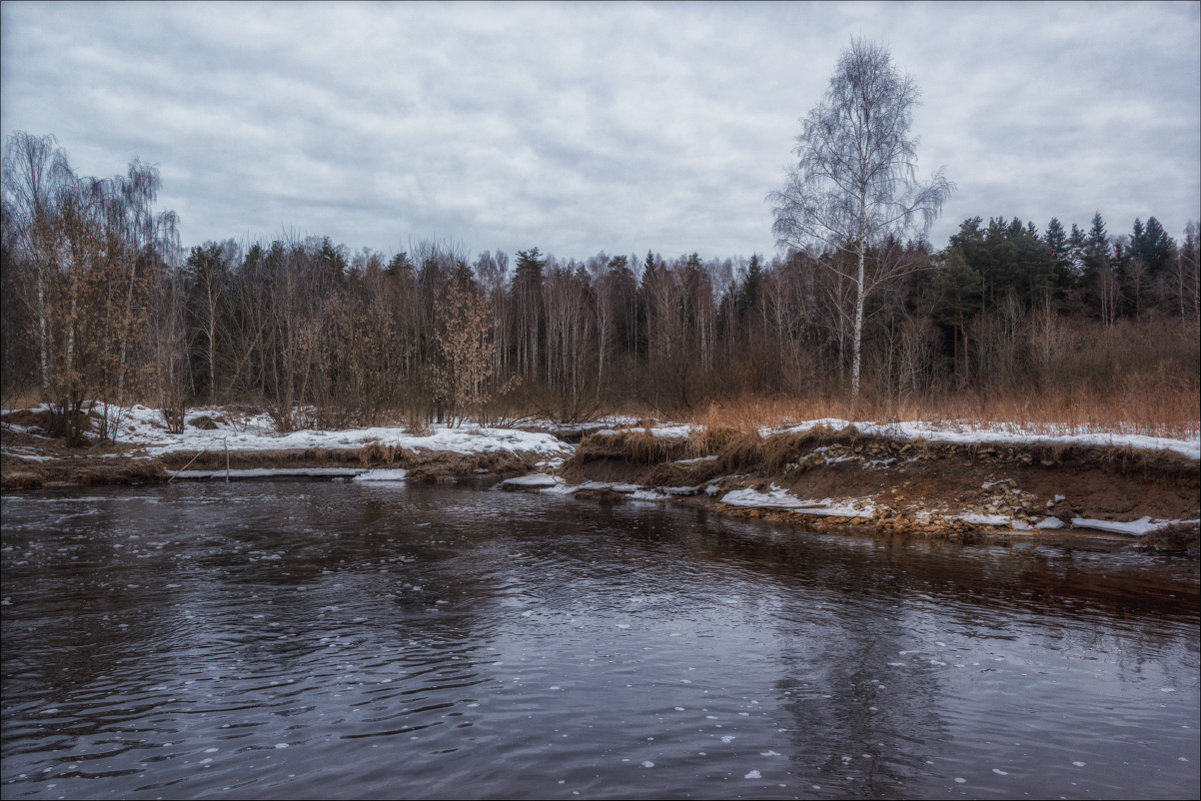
(1096, 254)
(527, 290)
(1061, 251)
(748, 293)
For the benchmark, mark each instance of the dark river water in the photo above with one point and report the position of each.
(343, 640)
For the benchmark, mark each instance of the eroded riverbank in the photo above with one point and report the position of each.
(822, 478)
(831, 480)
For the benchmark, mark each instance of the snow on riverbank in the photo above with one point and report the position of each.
(999, 434)
(238, 474)
(1135, 528)
(213, 430)
(143, 428)
(661, 430)
(778, 498)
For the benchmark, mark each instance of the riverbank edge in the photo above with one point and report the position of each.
(964, 492)
(959, 491)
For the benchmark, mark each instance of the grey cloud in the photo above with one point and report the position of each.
(582, 128)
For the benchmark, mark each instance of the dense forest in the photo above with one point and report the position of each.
(101, 302)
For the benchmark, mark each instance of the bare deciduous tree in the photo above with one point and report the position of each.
(465, 345)
(34, 167)
(856, 180)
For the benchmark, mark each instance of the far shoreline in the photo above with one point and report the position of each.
(821, 479)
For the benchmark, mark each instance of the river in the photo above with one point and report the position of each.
(341, 639)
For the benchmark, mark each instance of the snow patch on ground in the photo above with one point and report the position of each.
(866, 513)
(775, 498)
(998, 434)
(1135, 528)
(532, 481)
(778, 498)
(271, 472)
(663, 431)
(986, 520)
(143, 427)
(699, 460)
(28, 453)
(381, 474)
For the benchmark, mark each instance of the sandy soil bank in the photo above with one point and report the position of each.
(54, 466)
(821, 479)
(967, 492)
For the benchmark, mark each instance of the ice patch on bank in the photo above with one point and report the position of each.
(532, 481)
(779, 498)
(394, 474)
(270, 472)
(1135, 528)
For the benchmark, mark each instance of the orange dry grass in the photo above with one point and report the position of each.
(1152, 404)
(25, 399)
(749, 414)
(1141, 406)
(640, 447)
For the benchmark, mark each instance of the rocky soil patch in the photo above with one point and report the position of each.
(966, 492)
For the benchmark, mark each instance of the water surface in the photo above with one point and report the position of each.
(342, 640)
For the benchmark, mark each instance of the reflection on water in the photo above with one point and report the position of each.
(334, 640)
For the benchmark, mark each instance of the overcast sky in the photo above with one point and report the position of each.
(579, 128)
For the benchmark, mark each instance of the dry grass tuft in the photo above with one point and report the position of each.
(25, 477)
(674, 474)
(742, 452)
(775, 453)
(711, 441)
(638, 447)
(374, 453)
(749, 413)
(1184, 538)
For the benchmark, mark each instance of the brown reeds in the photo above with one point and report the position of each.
(374, 453)
(634, 446)
(1151, 402)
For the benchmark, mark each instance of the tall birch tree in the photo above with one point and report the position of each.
(856, 179)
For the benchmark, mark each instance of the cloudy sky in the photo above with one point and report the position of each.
(581, 127)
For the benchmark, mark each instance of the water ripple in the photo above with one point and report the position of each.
(328, 640)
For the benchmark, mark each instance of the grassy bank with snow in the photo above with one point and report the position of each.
(964, 482)
(965, 485)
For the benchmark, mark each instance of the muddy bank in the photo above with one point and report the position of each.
(965, 492)
(46, 463)
(421, 465)
(836, 480)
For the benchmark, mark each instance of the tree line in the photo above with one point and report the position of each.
(101, 302)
